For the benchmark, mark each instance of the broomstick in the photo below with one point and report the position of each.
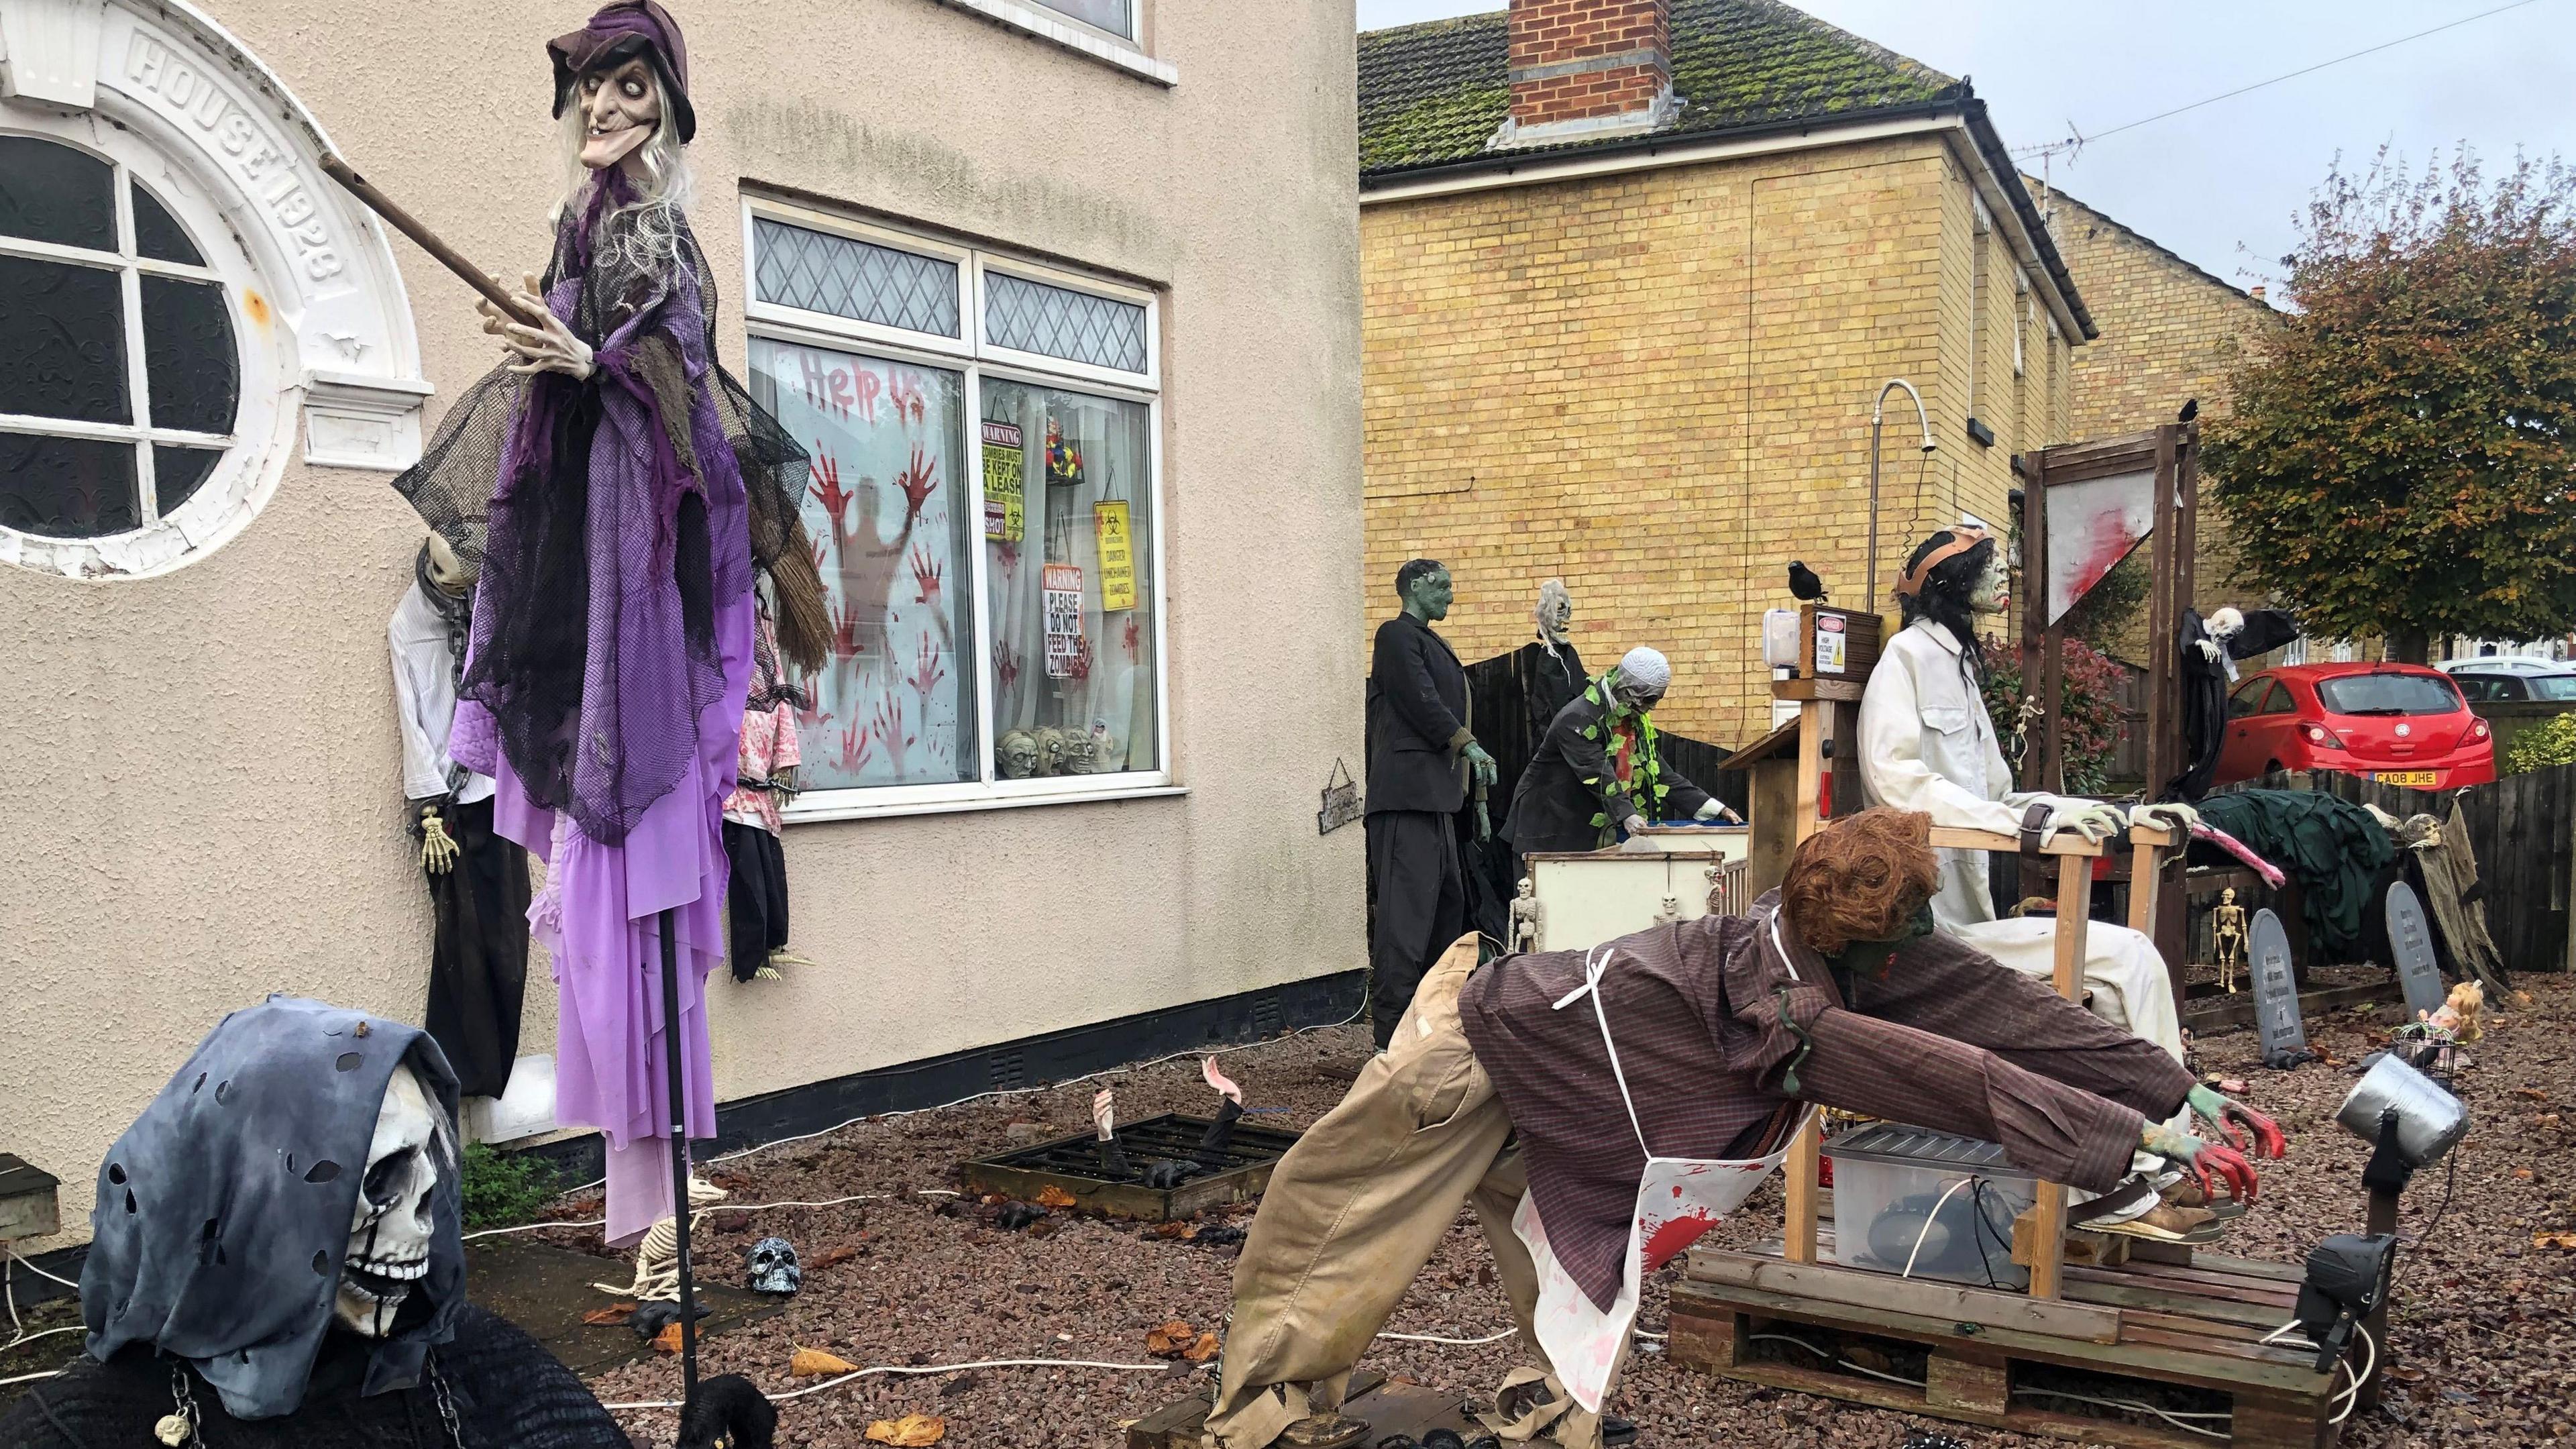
(804, 622)
(439, 251)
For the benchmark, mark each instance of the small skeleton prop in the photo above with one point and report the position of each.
(771, 1267)
(2228, 923)
(1669, 912)
(1527, 916)
(657, 1258)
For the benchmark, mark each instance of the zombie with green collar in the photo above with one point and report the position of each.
(1600, 771)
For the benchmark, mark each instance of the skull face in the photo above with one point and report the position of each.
(389, 1230)
(770, 1267)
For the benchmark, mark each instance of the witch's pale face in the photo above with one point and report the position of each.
(621, 107)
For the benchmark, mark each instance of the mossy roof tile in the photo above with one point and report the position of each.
(1436, 92)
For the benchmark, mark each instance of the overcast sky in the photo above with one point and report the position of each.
(2221, 185)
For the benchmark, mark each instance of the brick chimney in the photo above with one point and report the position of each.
(1588, 70)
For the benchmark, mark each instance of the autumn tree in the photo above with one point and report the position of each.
(2401, 459)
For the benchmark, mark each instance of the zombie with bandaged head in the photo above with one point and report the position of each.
(1927, 744)
(618, 491)
(1600, 771)
(276, 1261)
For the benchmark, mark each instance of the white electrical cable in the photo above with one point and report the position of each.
(31, 1378)
(39, 1272)
(722, 1207)
(918, 1370)
(1929, 1219)
(2175, 1418)
(1455, 1342)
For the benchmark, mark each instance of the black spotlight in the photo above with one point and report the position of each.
(2348, 1277)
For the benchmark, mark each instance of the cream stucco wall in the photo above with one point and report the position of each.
(201, 803)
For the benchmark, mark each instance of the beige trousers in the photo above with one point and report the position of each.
(1356, 1208)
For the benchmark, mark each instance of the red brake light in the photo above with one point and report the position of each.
(2323, 738)
(2479, 729)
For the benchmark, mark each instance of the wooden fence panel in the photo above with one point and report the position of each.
(2524, 830)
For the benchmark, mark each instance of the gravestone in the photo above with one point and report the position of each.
(2412, 943)
(2276, 991)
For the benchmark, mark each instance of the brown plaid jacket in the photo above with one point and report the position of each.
(1702, 1012)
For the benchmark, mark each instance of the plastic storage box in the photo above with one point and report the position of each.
(1945, 1204)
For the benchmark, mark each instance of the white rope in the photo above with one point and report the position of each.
(917, 1370)
(1457, 1342)
(31, 1378)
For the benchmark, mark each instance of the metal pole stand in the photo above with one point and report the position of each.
(679, 1160)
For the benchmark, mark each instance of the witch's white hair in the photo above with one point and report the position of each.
(666, 186)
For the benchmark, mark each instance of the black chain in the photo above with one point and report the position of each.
(446, 1404)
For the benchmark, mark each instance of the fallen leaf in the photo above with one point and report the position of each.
(1170, 1229)
(909, 1432)
(994, 1199)
(615, 1313)
(2523, 1173)
(2545, 1119)
(2554, 1240)
(2532, 1094)
(813, 1362)
(833, 1256)
(2406, 1373)
(1203, 1350)
(1052, 1196)
(2522, 998)
(1169, 1339)
(668, 1340)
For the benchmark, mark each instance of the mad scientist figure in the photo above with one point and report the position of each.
(1578, 1100)
(1927, 744)
(631, 489)
(1422, 757)
(1599, 772)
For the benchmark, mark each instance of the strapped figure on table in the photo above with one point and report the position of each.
(1602, 1109)
(1927, 744)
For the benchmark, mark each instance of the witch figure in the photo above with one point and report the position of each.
(619, 491)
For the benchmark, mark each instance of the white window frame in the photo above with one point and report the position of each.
(975, 359)
(240, 480)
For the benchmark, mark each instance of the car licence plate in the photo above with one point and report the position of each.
(2422, 779)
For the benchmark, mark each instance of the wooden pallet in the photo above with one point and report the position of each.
(1390, 1408)
(2128, 1331)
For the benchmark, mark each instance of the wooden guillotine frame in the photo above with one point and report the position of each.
(2085, 507)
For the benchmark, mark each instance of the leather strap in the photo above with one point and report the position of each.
(2033, 821)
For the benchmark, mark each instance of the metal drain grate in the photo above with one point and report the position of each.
(1072, 1164)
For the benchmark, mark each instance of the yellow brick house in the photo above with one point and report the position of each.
(1632, 272)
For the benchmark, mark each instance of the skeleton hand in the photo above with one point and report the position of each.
(437, 847)
(2092, 819)
(2237, 1123)
(2210, 649)
(551, 348)
(2207, 1161)
(1716, 810)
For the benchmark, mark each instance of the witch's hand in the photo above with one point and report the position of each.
(548, 348)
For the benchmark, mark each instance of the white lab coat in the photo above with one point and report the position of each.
(425, 700)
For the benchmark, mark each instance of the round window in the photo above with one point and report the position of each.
(121, 373)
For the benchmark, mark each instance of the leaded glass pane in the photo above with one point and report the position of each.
(52, 193)
(1109, 15)
(188, 356)
(67, 487)
(848, 278)
(1060, 322)
(157, 234)
(62, 341)
(177, 474)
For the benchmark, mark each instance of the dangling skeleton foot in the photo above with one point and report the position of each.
(657, 1258)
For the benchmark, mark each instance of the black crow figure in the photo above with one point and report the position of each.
(1803, 582)
(728, 1412)
(2189, 411)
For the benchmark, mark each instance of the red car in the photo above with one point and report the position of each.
(2401, 724)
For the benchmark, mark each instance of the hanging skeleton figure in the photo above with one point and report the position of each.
(619, 491)
(657, 1257)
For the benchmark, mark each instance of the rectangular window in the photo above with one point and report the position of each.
(961, 675)
(1115, 16)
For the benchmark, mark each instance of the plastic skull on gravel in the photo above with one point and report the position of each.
(771, 1267)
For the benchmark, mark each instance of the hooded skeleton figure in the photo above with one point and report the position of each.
(276, 1261)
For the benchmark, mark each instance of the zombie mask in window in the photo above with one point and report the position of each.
(1063, 458)
(1015, 754)
(770, 1267)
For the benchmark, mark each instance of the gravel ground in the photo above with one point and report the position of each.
(2483, 1313)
